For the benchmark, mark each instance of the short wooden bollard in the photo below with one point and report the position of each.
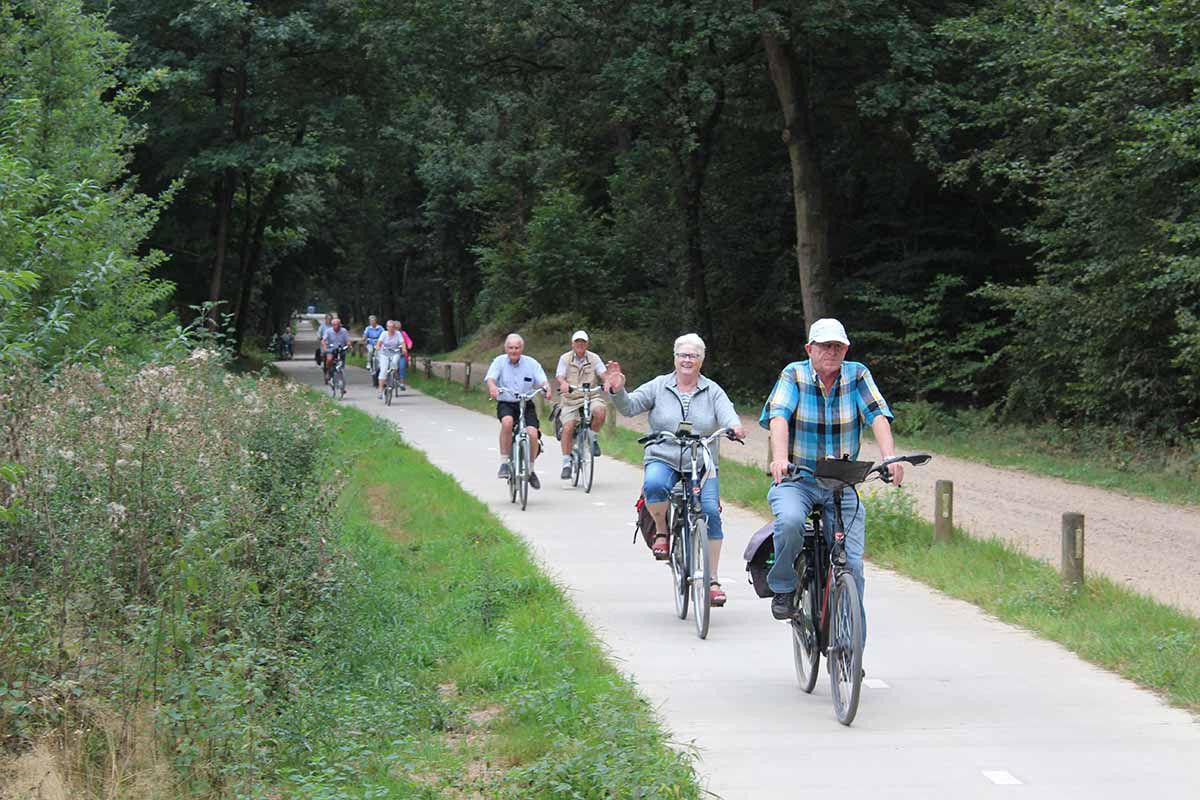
(447, 366)
(428, 368)
(943, 511)
(467, 376)
(1072, 550)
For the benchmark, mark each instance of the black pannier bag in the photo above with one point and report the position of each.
(760, 557)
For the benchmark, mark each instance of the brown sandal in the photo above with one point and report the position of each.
(716, 595)
(659, 548)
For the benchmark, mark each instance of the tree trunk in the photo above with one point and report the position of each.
(446, 307)
(229, 177)
(808, 194)
(693, 164)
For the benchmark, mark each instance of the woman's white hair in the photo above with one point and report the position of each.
(692, 339)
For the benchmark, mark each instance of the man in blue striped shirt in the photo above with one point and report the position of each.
(818, 409)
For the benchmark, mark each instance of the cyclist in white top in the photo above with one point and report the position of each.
(511, 374)
(389, 348)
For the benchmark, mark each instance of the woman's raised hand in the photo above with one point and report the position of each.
(614, 379)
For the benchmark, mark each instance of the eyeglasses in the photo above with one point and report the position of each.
(687, 356)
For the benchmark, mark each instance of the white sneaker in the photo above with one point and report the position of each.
(381, 395)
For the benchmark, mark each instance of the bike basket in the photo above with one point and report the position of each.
(836, 473)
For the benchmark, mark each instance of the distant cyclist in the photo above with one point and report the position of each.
(819, 408)
(336, 336)
(370, 336)
(578, 366)
(510, 374)
(324, 326)
(391, 351)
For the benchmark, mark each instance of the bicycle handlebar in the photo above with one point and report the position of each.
(916, 459)
(683, 438)
(585, 389)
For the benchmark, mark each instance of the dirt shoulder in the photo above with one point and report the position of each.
(1150, 547)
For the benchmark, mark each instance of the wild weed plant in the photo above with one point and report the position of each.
(164, 553)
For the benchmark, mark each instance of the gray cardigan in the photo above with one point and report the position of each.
(709, 410)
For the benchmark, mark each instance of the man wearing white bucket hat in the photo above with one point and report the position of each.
(819, 409)
(579, 366)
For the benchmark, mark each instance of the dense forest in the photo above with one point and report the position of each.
(998, 197)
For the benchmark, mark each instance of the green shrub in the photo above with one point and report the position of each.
(165, 560)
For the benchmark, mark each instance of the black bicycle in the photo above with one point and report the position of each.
(337, 373)
(691, 573)
(520, 456)
(582, 454)
(828, 616)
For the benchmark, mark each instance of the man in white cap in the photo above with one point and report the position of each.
(819, 409)
(579, 366)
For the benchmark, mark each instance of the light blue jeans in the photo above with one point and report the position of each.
(659, 480)
(791, 502)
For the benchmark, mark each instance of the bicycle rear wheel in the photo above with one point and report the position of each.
(586, 462)
(806, 649)
(524, 467)
(701, 576)
(845, 648)
(679, 568)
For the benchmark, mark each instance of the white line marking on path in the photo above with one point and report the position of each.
(599, 503)
(875, 683)
(1001, 777)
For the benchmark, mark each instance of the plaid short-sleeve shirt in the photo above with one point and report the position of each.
(824, 425)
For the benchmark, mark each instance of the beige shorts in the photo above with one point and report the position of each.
(572, 412)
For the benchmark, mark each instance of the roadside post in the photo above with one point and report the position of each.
(467, 376)
(943, 511)
(1072, 550)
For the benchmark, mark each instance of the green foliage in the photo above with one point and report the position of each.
(71, 225)
(922, 351)
(163, 559)
(560, 262)
(1086, 109)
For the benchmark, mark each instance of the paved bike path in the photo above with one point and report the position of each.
(957, 704)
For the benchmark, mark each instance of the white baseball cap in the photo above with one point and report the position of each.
(827, 330)
(577, 335)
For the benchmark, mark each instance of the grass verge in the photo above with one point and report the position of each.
(455, 668)
(1150, 643)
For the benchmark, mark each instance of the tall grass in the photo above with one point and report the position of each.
(162, 557)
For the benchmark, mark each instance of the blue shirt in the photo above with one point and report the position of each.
(332, 339)
(372, 334)
(523, 377)
(820, 424)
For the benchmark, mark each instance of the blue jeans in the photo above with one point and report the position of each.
(402, 370)
(791, 502)
(659, 480)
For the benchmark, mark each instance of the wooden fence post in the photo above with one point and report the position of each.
(447, 366)
(1072, 550)
(467, 377)
(943, 511)
(428, 368)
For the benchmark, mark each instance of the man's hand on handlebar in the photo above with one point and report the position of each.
(895, 473)
(493, 391)
(780, 469)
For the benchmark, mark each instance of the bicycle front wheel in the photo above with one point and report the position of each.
(806, 649)
(845, 648)
(586, 462)
(524, 467)
(701, 576)
(679, 568)
(576, 458)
